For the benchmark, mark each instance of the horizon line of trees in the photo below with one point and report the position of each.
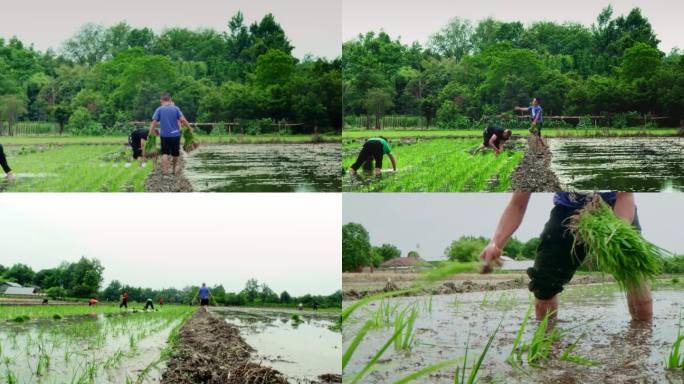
(104, 78)
(469, 70)
(83, 279)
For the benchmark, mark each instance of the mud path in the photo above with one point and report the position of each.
(534, 172)
(211, 351)
(159, 182)
(467, 285)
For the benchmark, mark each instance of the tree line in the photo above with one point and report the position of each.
(83, 279)
(612, 68)
(357, 251)
(103, 78)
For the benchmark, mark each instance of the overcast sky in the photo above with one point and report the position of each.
(313, 26)
(417, 20)
(430, 221)
(292, 241)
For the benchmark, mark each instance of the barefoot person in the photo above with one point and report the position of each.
(204, 294)
(373, 150)
(5, 166)
(537, 118)
(556, 261)
(168, 116)
(137, 141)
(148, 304)
(124, 300)
(494, 138)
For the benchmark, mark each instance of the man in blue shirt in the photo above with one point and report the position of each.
(204, 296)
(537, 118)
(557, 256)
(169, 118)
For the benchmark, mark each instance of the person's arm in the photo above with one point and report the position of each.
(185, 122)
(492, 143)
(625, 208)
(521, 109)
(153, 127)
(508, 223)
(393, 160)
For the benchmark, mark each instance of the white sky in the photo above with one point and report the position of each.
(417, 20)
(313, 26)
(291, 241)
(433, 220)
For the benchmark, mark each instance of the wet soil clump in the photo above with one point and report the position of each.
(211, 351)
(534, 172)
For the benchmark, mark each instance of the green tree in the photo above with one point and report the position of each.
(387, 251)
(251, 291)
(20, 273)
(465, 249)
(274, 67)
(356, 248)
(453, 40)
(513, 248)
(285, 297)
(12, 107)
(529, 250)
(377, 103)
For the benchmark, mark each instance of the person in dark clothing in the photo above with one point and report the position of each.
(494, 138)
(558, 257)
(373, 150)
(148, 304)
(124, 300)
(315, 306)
(5, 166)
(137, 141)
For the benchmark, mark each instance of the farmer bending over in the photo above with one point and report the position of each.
(168, 116)
(148, 304)
(556, 263)
(373, 149)
(494, 138)
(124, 300)
(537, 118)
(5, 166)
(137, 141)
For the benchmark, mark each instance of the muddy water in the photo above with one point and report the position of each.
(75, 344)
(265, 168)
(623, 164)
(626, 352)
(301, 351)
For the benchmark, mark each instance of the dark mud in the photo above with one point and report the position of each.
(534, 172)
(211, 351)
(157, 181)
(464, 286)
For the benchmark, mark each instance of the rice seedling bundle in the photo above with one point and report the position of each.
(190, 143)
(614, 246)
(151, 149)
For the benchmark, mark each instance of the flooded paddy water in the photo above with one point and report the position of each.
(96, 348)
(637, 164)
(265, 168)
(620, 351)
(301, 350)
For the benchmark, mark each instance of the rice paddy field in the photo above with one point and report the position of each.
(436, 165)
(80, 344)
(492, 337)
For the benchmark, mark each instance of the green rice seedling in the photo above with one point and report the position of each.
(355, 342)
(151, 148)
(405, 320)
(397, 333)
(675, 359)
(539, 348)
(190, 142)
(57, 316)
(368, 299)
(568, 356)
(427, 370)
(515, 357)
(615, 247)
(447, 269)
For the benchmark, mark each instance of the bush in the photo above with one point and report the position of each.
(81, 123)
(56, 293)
(673, 264)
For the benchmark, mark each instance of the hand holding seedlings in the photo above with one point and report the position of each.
(489, 258)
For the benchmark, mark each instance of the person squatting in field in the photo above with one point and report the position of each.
(556, 261)
(494, 138)
(124, 300)
(5, 166)
(168, 116)
(537, 115)
(373, 149)
(137, 141)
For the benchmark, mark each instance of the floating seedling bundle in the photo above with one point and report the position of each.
(614, 246)
(151, 146)
(190, 143)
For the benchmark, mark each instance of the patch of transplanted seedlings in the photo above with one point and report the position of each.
(675, 359)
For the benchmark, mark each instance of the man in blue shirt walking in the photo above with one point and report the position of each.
(169, 119)
(204, 296)
(537, 118)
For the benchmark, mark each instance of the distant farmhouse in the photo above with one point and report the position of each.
(9, 288)
(402, 264)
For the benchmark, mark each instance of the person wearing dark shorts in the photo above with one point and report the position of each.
(124, 300)
(169, 118)
(137, 141)
(373, 150)
(556, 260)
(204, 294)
(537, 115)
(3, 163)
(148, 304)
(494, 138)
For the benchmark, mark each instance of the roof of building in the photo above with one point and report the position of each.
(20, 291)
(11, 284)
(400, 262)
